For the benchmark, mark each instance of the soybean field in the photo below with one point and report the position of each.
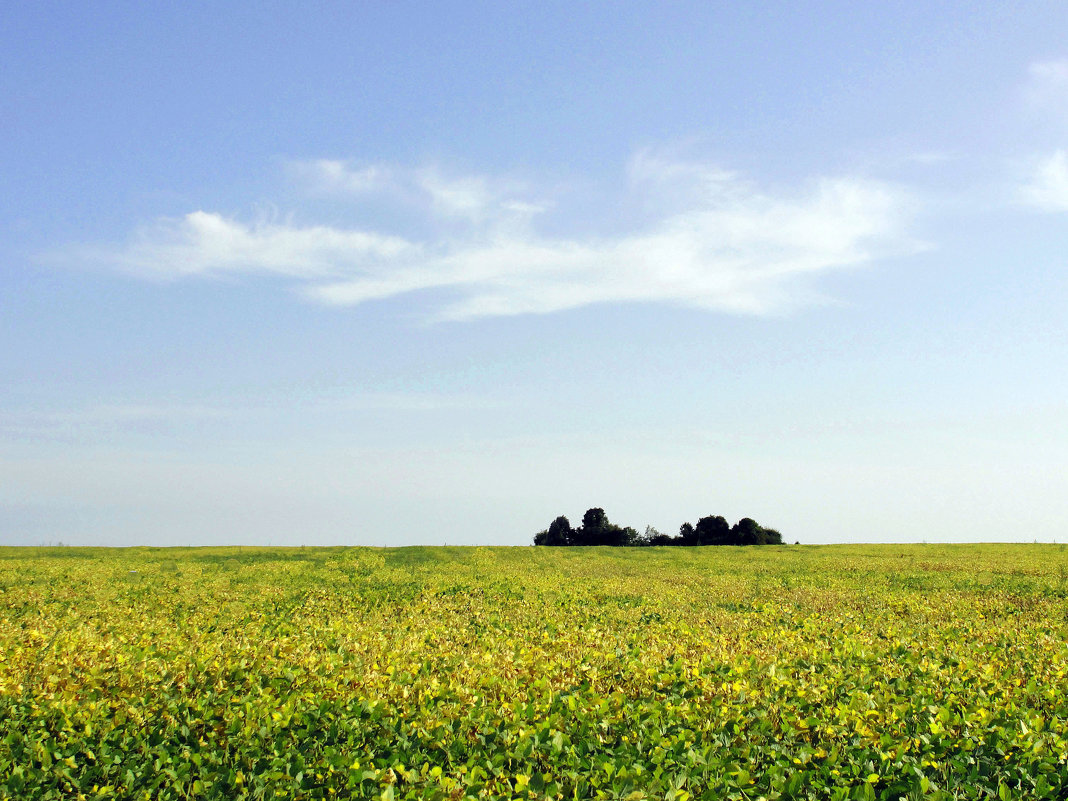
(774, 672)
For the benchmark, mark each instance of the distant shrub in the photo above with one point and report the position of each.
(710, 530)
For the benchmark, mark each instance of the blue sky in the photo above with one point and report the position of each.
(383, 274)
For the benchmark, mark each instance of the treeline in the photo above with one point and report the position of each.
(711, 530)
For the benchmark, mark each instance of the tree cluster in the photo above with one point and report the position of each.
(710, 530)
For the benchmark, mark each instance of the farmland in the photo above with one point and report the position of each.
(844, 672)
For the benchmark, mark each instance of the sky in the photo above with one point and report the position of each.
(398, 273)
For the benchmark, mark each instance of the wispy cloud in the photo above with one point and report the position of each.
(1047, 86)
(476, 198)
(333, 176)
(64, 423)
(1041, 179)
(111, 420)
(1047, 188)
(730, 248)
(718, 242)
(407, 402)
(206, 243)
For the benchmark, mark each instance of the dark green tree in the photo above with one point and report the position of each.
(713, 530)
(747, 531)
(687, 534)
(590, 531)
(656, 538)
(596, 530)
(644, 539)
(595, 519)
(772, 537)
(630, 536)
(558, 533)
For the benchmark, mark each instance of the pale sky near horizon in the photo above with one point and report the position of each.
(391, 274)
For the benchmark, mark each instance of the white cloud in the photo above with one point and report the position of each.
(1048, 186)
(1047, 86)
(333, 176)
(471, 197)
(206, 243)
(718, 243)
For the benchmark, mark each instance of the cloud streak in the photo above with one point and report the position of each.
(205, 243)
(104, 419)
(1047, 86)
(1047, 189)
(718, 242)
(110, 421)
